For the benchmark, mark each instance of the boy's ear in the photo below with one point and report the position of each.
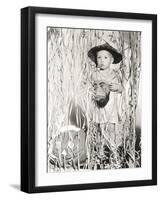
(112, 59)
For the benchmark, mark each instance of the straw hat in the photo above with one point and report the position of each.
(93, 52)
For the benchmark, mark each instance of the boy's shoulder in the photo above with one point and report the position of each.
(114, 75)
(111, 73)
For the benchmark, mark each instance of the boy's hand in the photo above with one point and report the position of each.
(115, 87)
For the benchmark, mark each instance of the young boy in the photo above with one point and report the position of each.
(105, 81)
(103, 94)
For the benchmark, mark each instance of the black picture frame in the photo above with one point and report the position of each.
(28, 91)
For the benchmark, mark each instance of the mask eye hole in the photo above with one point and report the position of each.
(102, 84)
(95, 86)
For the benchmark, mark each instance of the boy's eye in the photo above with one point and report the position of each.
(99, 57)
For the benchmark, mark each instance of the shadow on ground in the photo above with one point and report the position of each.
(15, 186)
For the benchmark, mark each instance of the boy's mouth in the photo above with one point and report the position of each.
(102, 66)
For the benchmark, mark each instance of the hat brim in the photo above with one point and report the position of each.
(92, 53)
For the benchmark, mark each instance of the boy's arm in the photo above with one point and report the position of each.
(116, 87)
(116, 84)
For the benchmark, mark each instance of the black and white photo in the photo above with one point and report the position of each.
(94, 119)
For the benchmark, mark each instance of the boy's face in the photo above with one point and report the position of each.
(104, 59)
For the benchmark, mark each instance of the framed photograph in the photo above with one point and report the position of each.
(88, 99)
